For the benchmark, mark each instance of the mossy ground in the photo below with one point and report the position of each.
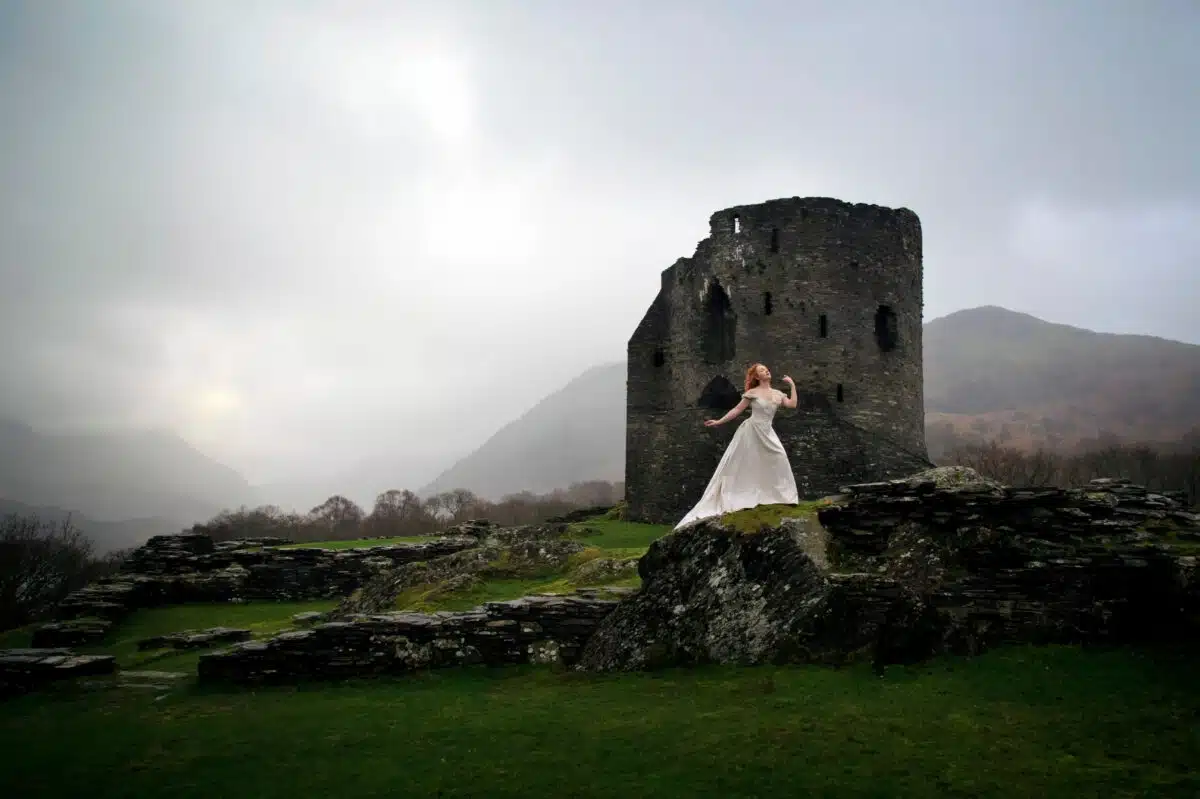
(618, 538)
(1181, 539)
(755, 520)
(1052, 722)
(504, 579)
(263, 619)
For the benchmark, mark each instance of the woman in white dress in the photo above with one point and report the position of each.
(754, 469)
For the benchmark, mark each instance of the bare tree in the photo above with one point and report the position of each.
(265, 521)
(1159, 469)
(339, 516)
(398, 513)
(455, 505)
(40, 563)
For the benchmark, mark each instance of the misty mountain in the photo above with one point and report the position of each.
(105, 536)
(996, 374)
(115, 476)
(575, 434)
(990, 373)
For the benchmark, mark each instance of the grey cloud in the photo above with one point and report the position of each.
(247, 200)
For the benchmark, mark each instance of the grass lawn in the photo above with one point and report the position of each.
(1055, 722)
(19, 638)
(261, 618)
(1038, 722)
(617, 538)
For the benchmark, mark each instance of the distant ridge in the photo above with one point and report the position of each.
(997, 374)
(990, 373)
(115, 476)
(574, 434)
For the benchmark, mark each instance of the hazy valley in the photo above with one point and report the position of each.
(990, 375)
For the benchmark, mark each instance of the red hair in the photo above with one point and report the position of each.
(751, 377)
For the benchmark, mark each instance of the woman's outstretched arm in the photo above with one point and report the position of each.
(733, 414)
(790, 402)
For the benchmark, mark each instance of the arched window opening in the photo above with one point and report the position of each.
(719, 326)
(887, 332)
(767, 307)
(659, 357)
(719, 395)
(823, 324)
(840, 394)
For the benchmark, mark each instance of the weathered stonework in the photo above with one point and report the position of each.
(535, 629)
(195, 639)
(189, 567)
(900, 571)
(499, 551)
(825, 291)
(25, 669)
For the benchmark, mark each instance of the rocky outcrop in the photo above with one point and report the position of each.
(944, 561)
(191, 567)
(187, 568)
(75, 632)
(500, 552)
(583, 514)
(537, 629)
(195, 639)
(605, 570)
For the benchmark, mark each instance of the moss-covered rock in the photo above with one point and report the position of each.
(897, 571)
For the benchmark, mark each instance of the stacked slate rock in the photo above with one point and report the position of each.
(73, 632)
(195, 639)
(532, 548)
(24, 669)
(535, 629)
(945, 561)
(189, 567)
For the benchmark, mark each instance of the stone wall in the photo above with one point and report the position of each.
(189, 567)
(499, 552)
(900, 571)
(798, 284)
(535, 629)
(22, 670)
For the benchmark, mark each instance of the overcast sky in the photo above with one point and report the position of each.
(300, 232)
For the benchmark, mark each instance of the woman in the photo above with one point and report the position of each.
(754, 469)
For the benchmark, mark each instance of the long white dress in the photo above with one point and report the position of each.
(754, 469)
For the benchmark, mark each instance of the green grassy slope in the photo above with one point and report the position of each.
(1051, 722)
(1047, 722)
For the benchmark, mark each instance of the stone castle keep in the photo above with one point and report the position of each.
(825, 291)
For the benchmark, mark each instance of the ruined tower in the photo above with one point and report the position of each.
(825, 291)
